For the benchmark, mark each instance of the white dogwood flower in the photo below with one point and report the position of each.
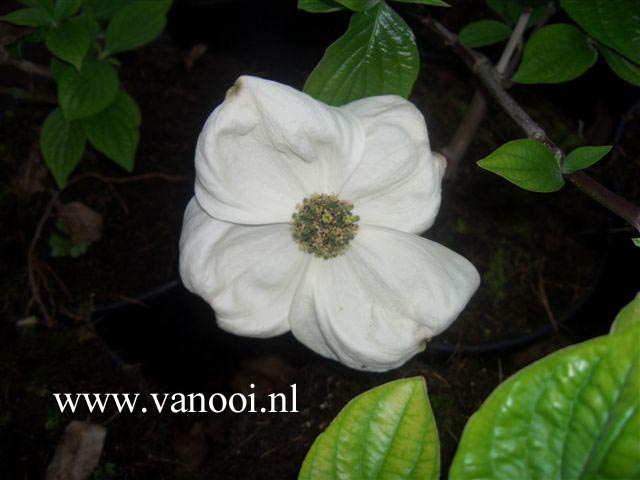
(305, 218)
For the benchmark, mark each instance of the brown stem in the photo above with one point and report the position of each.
(24, 65)
(469, 125)
(481, 66)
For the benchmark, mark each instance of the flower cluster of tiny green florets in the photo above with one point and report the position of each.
(324, 225)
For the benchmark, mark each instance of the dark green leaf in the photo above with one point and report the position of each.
(435, 3)
(319, 6)
(622, 66)
(27, 17)
(526, 163)
(613, 22)
(66, 8)
(484, 32)
(387, 432)
(510, 10)
(87, 92)
(136, 24)
(115, 130)
(572, 415)
(58, 68)
(43, 5)
(104, 9)
(376, 56)
(557, 53)
(62, 144)
(628, 317)
(70, 41)
(359, 5)
(584, 157)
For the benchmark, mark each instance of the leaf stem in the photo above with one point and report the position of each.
(481, 66)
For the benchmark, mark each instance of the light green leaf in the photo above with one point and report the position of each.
(62, 144)
(27, 17)
(612, 22)
(636, 241)
(387, 432)
(622, 66)
(105, 9)
(510, 10)
(135, 25)
(115, 130)
(628, 317)
(65, 8)
(87, 92)
(484, 32)
(572, 415)
(319, 6)
(584, 157)
(526, 163)
(376, 56)
(557, 53)
(70, 41)
(434, 3)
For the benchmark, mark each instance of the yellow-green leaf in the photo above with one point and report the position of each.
(388, 432)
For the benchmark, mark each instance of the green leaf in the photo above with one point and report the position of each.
(70, 41)
(526, 163)
(387, 432)
(584, 157)
(62, 144)
(58, 68)
(435, 3)
(628, 317)
(636, 241)
(376, 56)
(612, 22)
(557, 53)
(115, 130)
(44, 5)
(572, 415)
(87, 92)
(27, 17)
(359, 5)
(65, 8)
(104, 9)
(510, 10)
(484, 32)
(136, 24)
(319, 6)
(622, 66)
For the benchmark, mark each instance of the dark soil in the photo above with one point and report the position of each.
(539, 256)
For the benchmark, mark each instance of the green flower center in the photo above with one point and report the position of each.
(324, 225)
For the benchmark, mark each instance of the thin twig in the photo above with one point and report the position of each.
(32, 261)
(481, 66)
(24, 65)
(26, 95)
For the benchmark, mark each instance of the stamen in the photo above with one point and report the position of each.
(324, 225)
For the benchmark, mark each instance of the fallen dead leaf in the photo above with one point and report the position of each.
(191, 447)
(78, 452)
(83, 223)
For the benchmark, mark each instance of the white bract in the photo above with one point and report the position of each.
(305, 219)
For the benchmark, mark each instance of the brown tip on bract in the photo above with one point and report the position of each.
(234, 90)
